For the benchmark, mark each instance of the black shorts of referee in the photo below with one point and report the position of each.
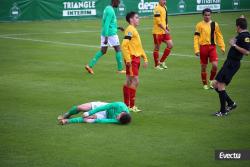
(228, 70)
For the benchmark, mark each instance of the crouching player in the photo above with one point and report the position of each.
(132, 51)
(239, 46)
(97, 112)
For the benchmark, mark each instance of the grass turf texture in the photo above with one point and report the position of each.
(42, 75)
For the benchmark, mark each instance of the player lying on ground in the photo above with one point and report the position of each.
(109, 37)
(240, 45)
(132, 52)
(98, 112)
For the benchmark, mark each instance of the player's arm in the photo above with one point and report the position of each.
(98, 109)
(196, 40)
(244, 49)
(145, 58)
(106, 25)
(125, 46)
(120, 28)
(219, 38)
(105, 121)
(157, 17)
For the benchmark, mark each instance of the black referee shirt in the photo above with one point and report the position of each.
(243, 41)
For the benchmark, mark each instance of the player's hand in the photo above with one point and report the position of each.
(197, 54)
(167, 32)
(145, 65)
(85, 114)
(106, 41)
(121, 29)
(232, 41)
(223, 51)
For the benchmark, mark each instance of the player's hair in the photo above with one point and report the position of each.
(130, 15)
(206, 10)
(125, 118)
(242, 23)
(112, 1)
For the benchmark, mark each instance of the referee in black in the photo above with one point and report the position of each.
(240, 45)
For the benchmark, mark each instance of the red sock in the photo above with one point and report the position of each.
(126, 94)
(165, 54)
(156, 57)
(212, 74)
(204, 78)
(132, 92)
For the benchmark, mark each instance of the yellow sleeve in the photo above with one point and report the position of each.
(157, 16)
(196, 39)
(125, 46)
(144, 56)
(219, 37)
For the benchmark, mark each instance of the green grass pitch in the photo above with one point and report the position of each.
(42, 75)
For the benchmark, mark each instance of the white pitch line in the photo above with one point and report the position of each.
(52, 42)
(89, 31)
(46, 33)
(92, 46)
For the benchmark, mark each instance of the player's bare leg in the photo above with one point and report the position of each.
(85, 107)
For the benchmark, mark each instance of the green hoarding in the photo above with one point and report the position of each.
(11, 10)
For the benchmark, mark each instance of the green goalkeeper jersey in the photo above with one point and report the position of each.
(112, 111)
(109, 22)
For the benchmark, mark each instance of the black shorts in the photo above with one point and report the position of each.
(228, 70)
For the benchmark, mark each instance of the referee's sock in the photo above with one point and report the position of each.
(228, 99)
(222, 96)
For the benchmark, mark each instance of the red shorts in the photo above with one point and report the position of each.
(133, 69)
(159, 38)
(208, 52)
